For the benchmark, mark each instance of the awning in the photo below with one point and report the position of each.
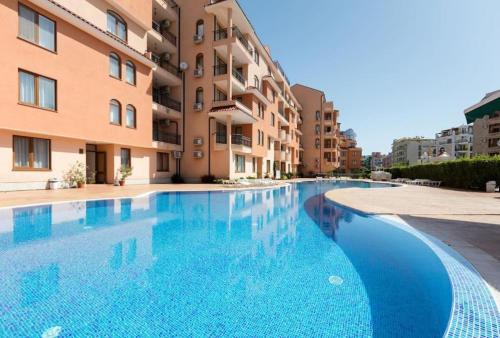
(487, 106)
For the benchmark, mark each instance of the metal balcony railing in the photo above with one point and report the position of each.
(165, 33)
(243, 40)
(221, 138)
(165, 100)
(241, 140)
(166, 65)
(171, 138)
(220, 69)
(220, 34)
(239, 76)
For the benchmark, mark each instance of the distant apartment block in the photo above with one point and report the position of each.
(376, 160)
(351, 156)
(320, 131)
(456, 142)
(485, 116)
(410, 150)
(387, 161)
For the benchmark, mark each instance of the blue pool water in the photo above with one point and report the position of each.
(278, 262)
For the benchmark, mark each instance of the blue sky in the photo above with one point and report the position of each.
(394, 68)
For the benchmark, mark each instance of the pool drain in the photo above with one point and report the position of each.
(335, 280)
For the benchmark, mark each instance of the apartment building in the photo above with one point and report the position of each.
(241, 116)
(320, 129)
(485, 116)
(456, 142)
(79, 78)
(376, 160)
(387, 161)
(351, 156)
(411, 150)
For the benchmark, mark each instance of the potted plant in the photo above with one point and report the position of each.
(125, 172)
(76, 175)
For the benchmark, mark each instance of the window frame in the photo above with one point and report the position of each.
(31, 154)
(36, 88)
(118, 19)
(37, 30)
(130, 64)
(162, 170)
(236, 168)
(129, 164)
(117, 57)
(119, 112)
(135, 116)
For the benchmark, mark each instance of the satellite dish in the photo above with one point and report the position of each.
(498, 143)
(183, 66)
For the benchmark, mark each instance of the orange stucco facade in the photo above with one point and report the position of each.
(208, 97)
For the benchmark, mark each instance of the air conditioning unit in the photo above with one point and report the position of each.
(198, 38)
(198, 106)
(198, 72)
(165, 23)
(177, 154)
(198, 154)
(198, 141)
(164, 122)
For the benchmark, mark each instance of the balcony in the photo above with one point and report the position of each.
(164, 137)
(239, 83)
(282, 117)
(165, 72)
(165, 9)
(285, 137)
(280, 155)
(164, 107)
(165, 100)
(239, 77)
(220, 70)
(237, 111)
(160, 40)
(241, 49)
(167, 35)
(241, 140)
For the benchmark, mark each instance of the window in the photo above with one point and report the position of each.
(114, 66)
(328, 157)
(199, 61)
(37, 90)
(317, 129)
(328, 144)
(254, 164)
(200, 28)
(199, 95)
(318, 115)
(125, 158)
(115, 114)
(259, 105)
(162, 162)
(256, 82)
(256, 57)
(130, 117)
(130, 72)
(269, 142)
(37, 28)
(31, 153)
(117, 26)
(239, 163)
(273, 119)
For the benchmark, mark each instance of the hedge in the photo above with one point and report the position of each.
(462, 174)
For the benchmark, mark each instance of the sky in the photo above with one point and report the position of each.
(394, 68)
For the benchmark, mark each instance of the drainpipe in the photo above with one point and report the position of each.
(183, 89)
(209, 146)
(321, 134)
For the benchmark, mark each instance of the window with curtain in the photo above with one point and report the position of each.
(31, 153)
(199, 95)
(114, 66)
(162, 162)
(125, 157)
(200, 28)
(115, 112)
(256, 82)
(199, 61)
(130, 118)
(130, 72)
(239, 163)
(37, 28)
(37, 90)
(117, 26)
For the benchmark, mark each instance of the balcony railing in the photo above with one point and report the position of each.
(280, 111)
(165, 100)
(171, 138)
(239, 76)
(220, 69)
(220, 34)
(221, 138)
(243, 40)
(166, 65)
(241, 140)
(165, 33)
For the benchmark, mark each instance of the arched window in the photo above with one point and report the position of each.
(318, 129)
(117, 26)
(200, 28)
(256, 82)
(199, 95)
(199, 61)
(114, 66)
(318, 115)
(130, 117)
(115, 114)
(130, 72)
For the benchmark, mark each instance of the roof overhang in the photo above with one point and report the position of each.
(487, 106)
(238, 112)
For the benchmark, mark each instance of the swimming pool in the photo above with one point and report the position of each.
(275, 262)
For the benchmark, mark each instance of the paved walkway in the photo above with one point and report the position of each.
(467, 221)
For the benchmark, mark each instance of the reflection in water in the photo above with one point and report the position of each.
(250, 263)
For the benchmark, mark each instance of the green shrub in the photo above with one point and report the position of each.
(461, 174)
